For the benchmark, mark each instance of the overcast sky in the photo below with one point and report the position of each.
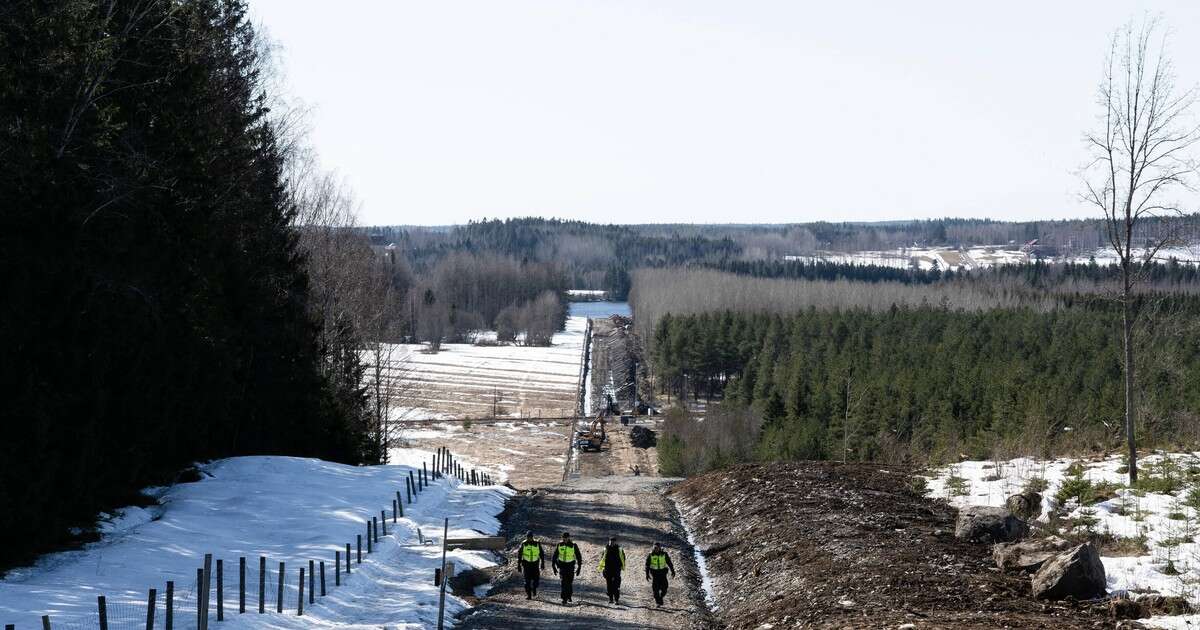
(444, 111)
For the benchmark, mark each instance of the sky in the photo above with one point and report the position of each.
(740, 111)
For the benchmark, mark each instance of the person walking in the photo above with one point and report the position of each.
(657, 564)
(529, 556)
(567, 563)
(612, 563)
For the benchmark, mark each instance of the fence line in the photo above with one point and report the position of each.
(187, 603)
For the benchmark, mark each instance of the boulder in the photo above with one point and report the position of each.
(1076, 573)
(1026, 506)
(989, 524)
(1027, 555)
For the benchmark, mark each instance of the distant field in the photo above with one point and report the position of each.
(465, 381)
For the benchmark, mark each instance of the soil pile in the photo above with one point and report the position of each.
(818, 544)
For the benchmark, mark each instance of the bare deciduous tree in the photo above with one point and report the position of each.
(1141, 164)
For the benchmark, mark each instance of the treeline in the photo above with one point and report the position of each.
(595, 256)
(792, 286)
(161, 300)
(921, 383)
(468, 292)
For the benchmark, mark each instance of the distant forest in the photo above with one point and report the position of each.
(603, 257)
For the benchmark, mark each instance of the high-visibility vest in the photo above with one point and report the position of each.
(530, 552)
(658, 561)
(604, 556)
(566, 553)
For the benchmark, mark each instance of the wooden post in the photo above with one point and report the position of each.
(45, 622)
(412, 486)
(408, 488)
(359, 537)
(150, 604)
(207, 590)
(383, 521)
(337, 567)
(399, 504)
(322, 578)
(169, 620)
(395, 510)
(242, 585)
(279, 600)
(300, 606)
(199, 598)
(348, 558)
(312, 577)
(424, 478)
(103, 611)
(220, 590)
(262, 584)
(442, 593)
(370, 538)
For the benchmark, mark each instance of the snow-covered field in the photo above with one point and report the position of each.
(1152, 531)
(944, 258)
(464, 380)
(290, 510)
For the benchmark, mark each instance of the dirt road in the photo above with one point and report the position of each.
(632, 508)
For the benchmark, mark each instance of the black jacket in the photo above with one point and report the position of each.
(578, 556)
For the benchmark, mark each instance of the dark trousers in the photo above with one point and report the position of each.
(658, 582)
(567, 571)
(532, 577)
(613, 583)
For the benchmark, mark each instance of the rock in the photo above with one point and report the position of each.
(989, 524)
(1026, 505)
(1076, 573)
(1027, 555)
(1155, 604)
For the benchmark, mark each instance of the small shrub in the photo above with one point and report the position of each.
(1076, 488)
(1158, 484)
(1122, 546)
(1075, 469)
(918, 485)
(1036, 484)
(957, 486)
(1193, 498)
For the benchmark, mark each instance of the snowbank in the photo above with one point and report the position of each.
(1165, 522)
(290, 510)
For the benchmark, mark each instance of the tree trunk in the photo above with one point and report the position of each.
(1127, 335)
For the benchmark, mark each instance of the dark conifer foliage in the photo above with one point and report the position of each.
(153, 304)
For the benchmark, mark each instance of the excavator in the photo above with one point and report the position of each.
(593, 437)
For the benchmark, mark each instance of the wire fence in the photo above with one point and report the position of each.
(223, 587)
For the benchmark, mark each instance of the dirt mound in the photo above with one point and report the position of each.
(852, 546)
(642, 437)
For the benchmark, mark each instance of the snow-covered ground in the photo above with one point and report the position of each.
(287, 509)
(465, 380)
(1163, 515)
(947, 258)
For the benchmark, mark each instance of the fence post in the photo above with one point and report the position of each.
(300, 606)
(358, 537)
(279, 600)
(412, 486)
(150, 603)
(103, 611)
(169, 621)
(383, 520)
(45, 622)
(199, 598)
(399, 504)
(207, 590)
(220, 590)
(312, 577)
(262, 584)
(347, 558)
(395, 510)
(337, 567)
(322, 578)
(424, 477)
(370, 537)
(241, 585)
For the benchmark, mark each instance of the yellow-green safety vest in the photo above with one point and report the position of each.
(566, 553)
(658, 561)
(530, 552)
(604, 556)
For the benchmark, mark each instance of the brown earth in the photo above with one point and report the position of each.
(525, 453)
(825, 545)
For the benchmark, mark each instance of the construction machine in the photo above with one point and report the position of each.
(593, 437)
